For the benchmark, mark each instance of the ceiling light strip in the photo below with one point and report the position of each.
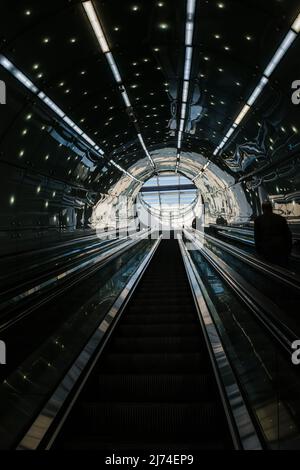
(99, 33)
(189, 34)
(202, 171)
(124, 171)
(47, 101)
(92, 16)
(279, 54)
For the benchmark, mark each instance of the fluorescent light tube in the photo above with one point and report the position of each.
(183, 111)
(18, 74)
(188, 63)
(257, 91)
(189, 32)
(77, 129)
(69, 121)
(230, 132)
(191, 7)
(126, 99)
(95, 23)
(113, 67)
(145, 149)
(88, 139)
(51, 104)
(242, 114)
(142, 141)
(185, 91)
(296, 24)
(179, 139)
(289, 39)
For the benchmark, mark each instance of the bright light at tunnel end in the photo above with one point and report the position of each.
(127, 219)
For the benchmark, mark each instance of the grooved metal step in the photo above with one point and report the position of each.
(163, 387)
(155, 363)
(168, 344)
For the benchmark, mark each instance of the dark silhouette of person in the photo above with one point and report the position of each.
(273, 238)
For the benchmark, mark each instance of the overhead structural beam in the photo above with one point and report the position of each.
(168, 188)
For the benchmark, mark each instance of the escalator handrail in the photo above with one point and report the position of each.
(254, 300)
(84, 270)
(43, 431)
(77, 254)
(282, 275)
(242, 427)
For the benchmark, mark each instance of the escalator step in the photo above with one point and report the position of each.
(167, 296)
(170, 344)
(155, 363)
(150, 419)
(166, 329)
(147, 289)
(154, 307)
(159, 318)
(150, 388)
(88, 443)
(153, 386)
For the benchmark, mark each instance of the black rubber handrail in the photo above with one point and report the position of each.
(261, 307)
(24, 306)
(282, 275)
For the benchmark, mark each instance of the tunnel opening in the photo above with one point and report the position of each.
(170, 201)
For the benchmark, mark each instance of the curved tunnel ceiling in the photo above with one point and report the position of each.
(120, 106)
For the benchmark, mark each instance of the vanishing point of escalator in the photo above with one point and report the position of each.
(153, 387)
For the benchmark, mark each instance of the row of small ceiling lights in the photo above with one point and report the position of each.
(58, 111)
(21, 77)
(5, 62)
(189, 33)
(97, 28)
(279, 54)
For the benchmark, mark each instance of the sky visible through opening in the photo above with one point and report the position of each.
(170, 193)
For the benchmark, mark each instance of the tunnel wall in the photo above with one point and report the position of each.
(48, 182)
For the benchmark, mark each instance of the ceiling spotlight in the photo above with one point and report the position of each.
(221, 5)
(135, 8)
(163, 26)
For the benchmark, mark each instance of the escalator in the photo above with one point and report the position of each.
(153, 386)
